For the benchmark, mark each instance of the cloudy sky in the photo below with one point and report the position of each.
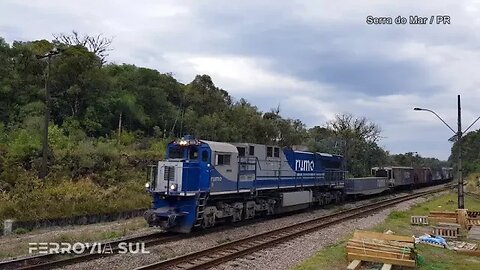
(314, 58)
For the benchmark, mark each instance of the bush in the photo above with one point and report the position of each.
(86, 175)
(126, 137)
(24, 145)
(20, 231)
(70, 198)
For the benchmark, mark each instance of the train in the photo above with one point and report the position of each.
(201, 183)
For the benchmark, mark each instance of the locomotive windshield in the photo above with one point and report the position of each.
(179, 152)
(175, 153)
(193, 153)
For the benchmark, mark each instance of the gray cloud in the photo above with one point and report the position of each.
(314, 58)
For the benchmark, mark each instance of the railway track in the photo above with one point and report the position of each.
(229, 251)
(52, 260)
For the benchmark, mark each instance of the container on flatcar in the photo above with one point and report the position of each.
(366, 185)
(397, 176)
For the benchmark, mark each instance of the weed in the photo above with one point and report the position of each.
(397, 214)
(21, 231)
(111, 235)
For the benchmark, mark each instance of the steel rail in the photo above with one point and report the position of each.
(51, 260)
(48, 261)
(226, 252)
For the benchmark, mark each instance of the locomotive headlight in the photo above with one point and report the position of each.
(173, 187)
(183, 142)
(147, 185)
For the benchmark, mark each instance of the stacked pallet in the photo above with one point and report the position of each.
(381, 248)
(473, 221)
(443, 216)
(465, 218)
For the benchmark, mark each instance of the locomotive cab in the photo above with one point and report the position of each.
(180, 184)
(180, 172)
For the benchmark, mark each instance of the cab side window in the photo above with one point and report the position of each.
(241, 151)
(205, 156)
(223, 159)
(276, 152)
(269, 151)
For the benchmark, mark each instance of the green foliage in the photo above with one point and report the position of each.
(24, 145)
(396, 214)
(470, 153)
(39, 200)
(20, 231)
(107, 122)
(127, 138)
(111, 235)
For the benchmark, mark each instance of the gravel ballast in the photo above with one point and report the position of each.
(283, 256)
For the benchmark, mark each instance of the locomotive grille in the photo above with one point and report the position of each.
(169, 174)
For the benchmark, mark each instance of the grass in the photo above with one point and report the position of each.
(15, 245)
(430, 258)
(325, 260)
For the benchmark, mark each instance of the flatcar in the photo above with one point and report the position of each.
(203, 182)
(366, 185)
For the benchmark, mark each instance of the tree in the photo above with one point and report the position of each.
(97, 44)
(353, 132)
(470, 152)
(322, 139)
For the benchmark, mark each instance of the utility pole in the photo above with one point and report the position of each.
(461, 201)
(458, 136)
(48, 56)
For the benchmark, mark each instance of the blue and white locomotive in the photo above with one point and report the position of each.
(202, 183)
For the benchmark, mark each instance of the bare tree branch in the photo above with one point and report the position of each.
(99, 44)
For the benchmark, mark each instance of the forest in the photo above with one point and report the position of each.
(109, 121)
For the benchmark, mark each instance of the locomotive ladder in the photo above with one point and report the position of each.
(201, 202)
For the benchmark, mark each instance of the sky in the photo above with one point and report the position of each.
(314, 59)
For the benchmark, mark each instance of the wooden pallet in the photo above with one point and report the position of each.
(443, 216)
(419, 220)
(473, 214)
(381, 248)
(446, 232)
(473, 222)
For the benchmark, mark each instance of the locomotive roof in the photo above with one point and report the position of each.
(221, 146)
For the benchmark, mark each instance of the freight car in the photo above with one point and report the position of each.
(402, 177)
(203, 182)
(397, 176)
